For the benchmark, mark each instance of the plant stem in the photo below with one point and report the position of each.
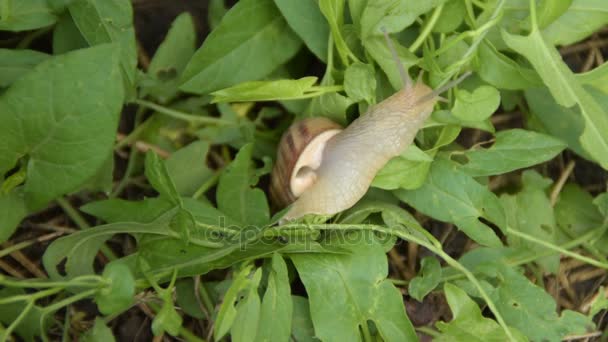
(60, 304)
(426, 31)
(208, 184)
(15, 323)
(557, 248)
(189, 336)
(181, 115)
(82, 223)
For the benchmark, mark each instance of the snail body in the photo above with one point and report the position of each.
(323, 170)
(352, 157)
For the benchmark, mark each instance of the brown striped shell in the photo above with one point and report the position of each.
(299, 154)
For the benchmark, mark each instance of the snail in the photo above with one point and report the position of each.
(323, 169)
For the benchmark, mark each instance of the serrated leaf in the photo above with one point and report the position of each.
(394, 16)
(188, 169)
(514, 149)
(236, 198)
(360, 82)
(478, 105)
(530, 212)
(171, 59)
(451, 195)
(565, 90)
(356, 286)
(66, 137)
(468, 324)
(79, 249)
(428, 278)
(238, 49)
(276, 310)
(158, 176)
(502, 72)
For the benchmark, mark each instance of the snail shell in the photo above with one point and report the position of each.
(299, 155)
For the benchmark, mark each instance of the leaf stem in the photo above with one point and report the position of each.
(557, 248)
(82, 223)
(7, 333)
(426, 31)
(181, 115)
(208, 184)
(533, 19)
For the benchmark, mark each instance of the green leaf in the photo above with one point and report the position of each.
(597, 78)
(158, 176)
(478, 105)
(66, 138)
(524, 305)
(23, 15)
(187, 300)
(378, 49)
(407, 171)
(306, 19)
(333, 11)
(565, 89)
(599, 303)
(236, 198)
(532, 310)
(583, 18)
(451, 17)
(167, 319)
(66, 36)
(15, 63)
(79, 249)
(171, 59)
(118, 295)
(98, 333)
(109, 21)
(568, 128)
(576, 215)
(392, 15)
(32, 325)
(468, 324)
(549, 10)
(276, 309)
(266, 90)
(356, 286)
(238, 49)
(332, 106)
(451, 195)
(227, 312)
(530, 211)
(301, 326)
(188, 169)
(119, 210)
(217, 11)
(14, 209)
(248, 309)
(514, 149)
(429, 278)
(360, 82)
(502, 72)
